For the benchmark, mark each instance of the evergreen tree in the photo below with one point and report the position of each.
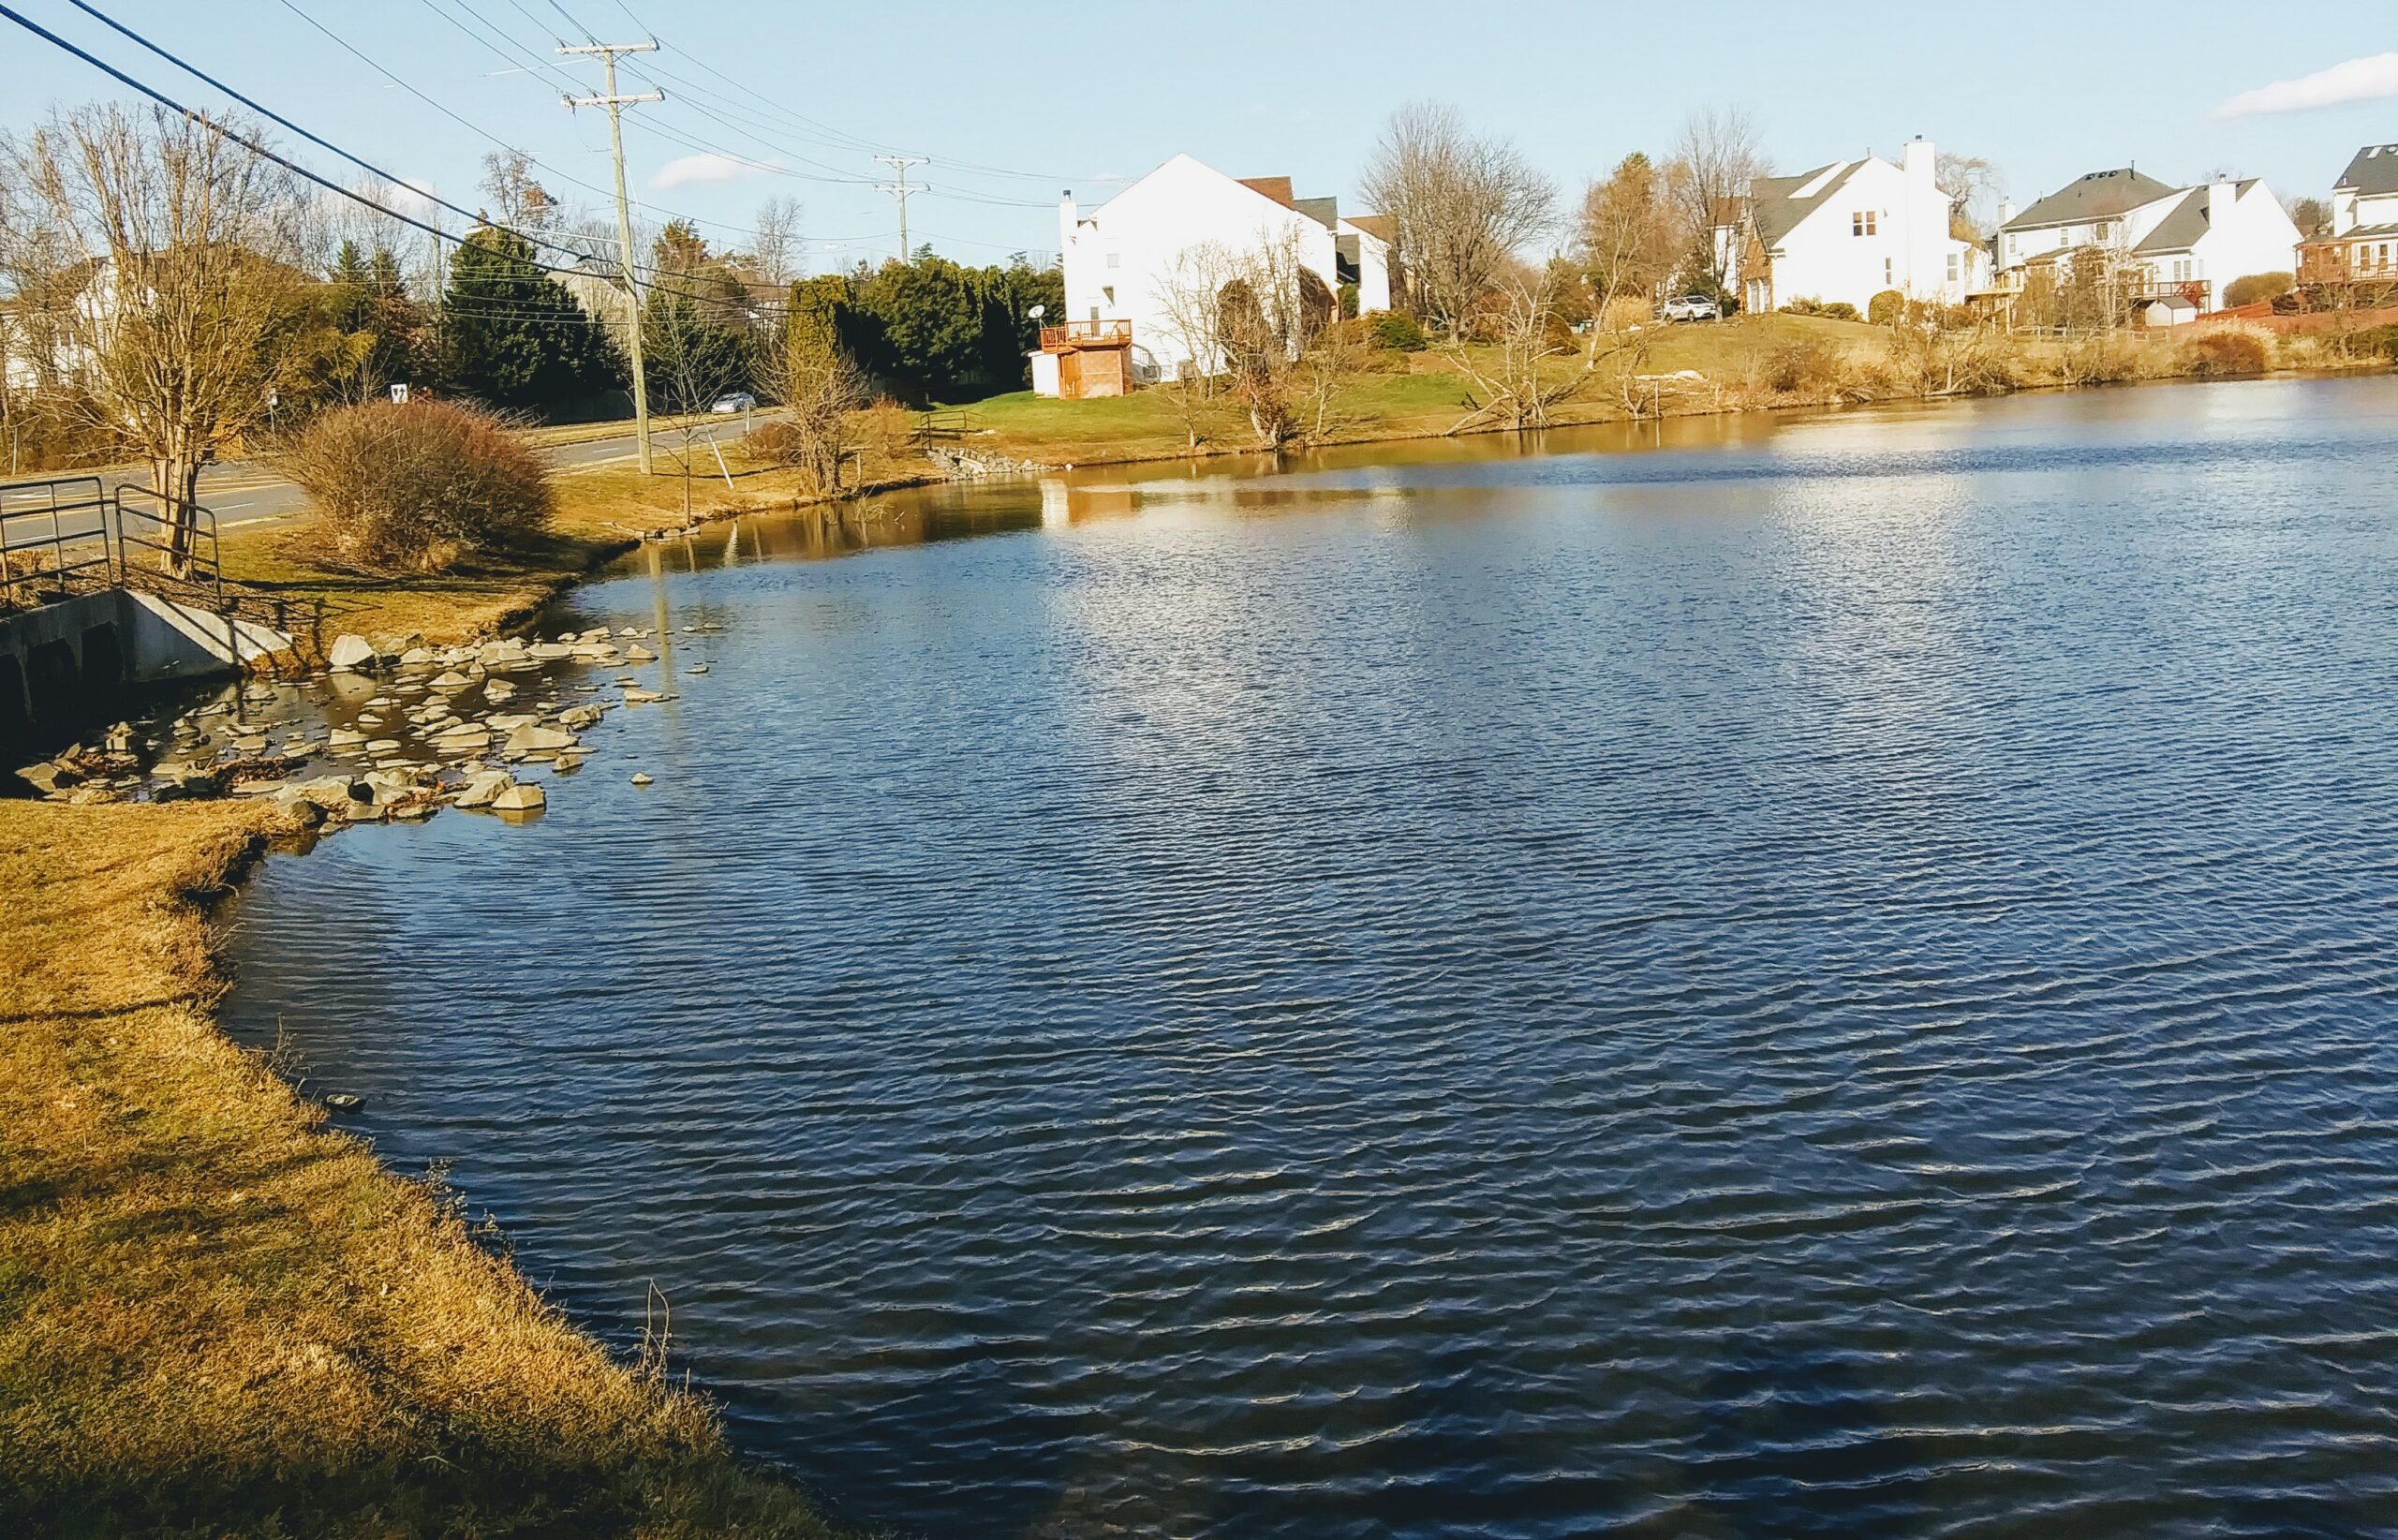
(513, 337)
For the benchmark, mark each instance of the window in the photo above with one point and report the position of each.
(1861, 222)
(1116, 259)
(1886, 279)
(2103, 230)
(1955, 264)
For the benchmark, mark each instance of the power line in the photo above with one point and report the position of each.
(615, 104)
(900, 190)
(267, 153)
(445, 110)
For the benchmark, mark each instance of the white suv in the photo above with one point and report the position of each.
(1690, 307)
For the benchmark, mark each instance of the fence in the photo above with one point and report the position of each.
(68, 534)
(53, 541)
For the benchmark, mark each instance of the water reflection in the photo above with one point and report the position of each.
(1801, 977)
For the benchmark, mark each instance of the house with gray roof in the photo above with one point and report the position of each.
(2363, 246)
(2159, 241)
(1847, 231)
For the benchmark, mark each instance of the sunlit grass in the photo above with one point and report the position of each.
(218, 1317)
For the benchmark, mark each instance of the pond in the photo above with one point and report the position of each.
(1780, 976)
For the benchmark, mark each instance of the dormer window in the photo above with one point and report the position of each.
(1861, 222)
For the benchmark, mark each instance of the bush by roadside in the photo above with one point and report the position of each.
(415, 486)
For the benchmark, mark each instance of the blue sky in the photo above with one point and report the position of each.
(1014, 101)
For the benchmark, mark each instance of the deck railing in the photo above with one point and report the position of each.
(1086, 334)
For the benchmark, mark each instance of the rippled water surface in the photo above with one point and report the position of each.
(1834, 981)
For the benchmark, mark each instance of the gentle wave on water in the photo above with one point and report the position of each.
(1838, 983)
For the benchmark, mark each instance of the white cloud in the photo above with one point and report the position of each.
(2373, 77)
(690, 170)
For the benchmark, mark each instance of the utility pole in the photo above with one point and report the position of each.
(900, 190)
(612, 102)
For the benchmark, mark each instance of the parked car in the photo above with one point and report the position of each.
(738, 400)
(1690, 307)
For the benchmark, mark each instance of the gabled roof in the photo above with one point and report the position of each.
(2374, 170)
(2184, 225)
(2100, 195)
(1275, 187)
(1777, 209)
(1376, 225)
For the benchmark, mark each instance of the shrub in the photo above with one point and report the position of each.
(415, 486)
(2228, 350)
(1398, 330)
(1829, 309)
(1885, 307)
(1810, 367)
(2255, 287)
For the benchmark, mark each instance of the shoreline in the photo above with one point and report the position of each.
(217, 1309)
(600, 538)
(153, 1295)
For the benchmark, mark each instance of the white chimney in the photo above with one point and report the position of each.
(1921, 163)
(2219, 199)
(1067, 218)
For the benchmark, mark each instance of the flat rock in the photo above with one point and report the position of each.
(520, 798)
(537, 740)
(352, 654)
(451, 679)
(484, 787)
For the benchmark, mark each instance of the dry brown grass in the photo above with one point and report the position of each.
(217, 1316)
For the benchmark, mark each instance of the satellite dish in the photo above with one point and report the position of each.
(1037, 312)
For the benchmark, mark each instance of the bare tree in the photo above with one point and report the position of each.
(1624, 240)
(775, 246)
(1517, 388)
(818, 387)
(2313, 218)
(518, 201)
(1973, 186)
(1188, 296)
(166, 258)
(1718, 158)
(1459, 207)
(1253, 331)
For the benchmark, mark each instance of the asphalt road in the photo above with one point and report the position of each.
(246, 495)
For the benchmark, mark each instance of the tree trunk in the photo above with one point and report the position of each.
(175, 479)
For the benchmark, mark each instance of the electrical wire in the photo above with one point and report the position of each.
(266, 152)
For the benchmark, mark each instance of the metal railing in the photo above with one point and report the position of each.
(55, 541)
(70, 535)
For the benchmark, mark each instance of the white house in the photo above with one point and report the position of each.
(1128, 262)
(2363, 245)
(2187, 243)
(1844, 232)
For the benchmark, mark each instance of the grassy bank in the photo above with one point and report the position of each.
(219, 1317)
(1748, 364)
